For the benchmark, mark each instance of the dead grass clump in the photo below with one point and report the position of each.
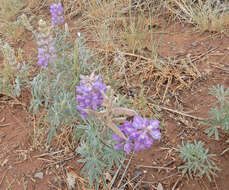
(63, 139)
(160, 77)
(164, 76)
(72, 8)
(206, 15)
(10, 29)
(116, 26)
(9, 9)
(136, 34)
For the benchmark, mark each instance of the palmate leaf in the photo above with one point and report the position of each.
(53, 89)
(197, 161)
(219, 115)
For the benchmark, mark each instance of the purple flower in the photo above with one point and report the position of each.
(126, 145)
(147, 132)
(46, 45)
(57, 11)
(89, 93)
(141, 134)
(128, 131)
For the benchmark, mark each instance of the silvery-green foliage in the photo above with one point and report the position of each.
(8, 54)
(14, 73)
(53, 90)
(219, 115)
(26, 22)
(197, 161)
(97, 151)
(21, 78)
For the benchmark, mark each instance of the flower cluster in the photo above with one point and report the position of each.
(46, 45)
(137, 135)
(89, 93)
(141, 134)
(57, 11)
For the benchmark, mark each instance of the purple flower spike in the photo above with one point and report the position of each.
(147, 132)
(57, 11)
(46, 45)
(89, 93)
(141, 134)
(128, 147)
(118, 147)
(117, 138)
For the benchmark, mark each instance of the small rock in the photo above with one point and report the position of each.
(3, 163)
(39, 175)
(194, 44)
(138, 173)
(159, 187)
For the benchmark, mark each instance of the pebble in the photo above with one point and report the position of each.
(138, 173)
(194, 44)
(39, 175)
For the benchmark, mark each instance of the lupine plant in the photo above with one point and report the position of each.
(136, 135)
(46, 45)
(197, 161)
(93, 110)
(14, 73)
(57, 11)
(53, 90)
(141, 133)
(97, 104)
(219, 115)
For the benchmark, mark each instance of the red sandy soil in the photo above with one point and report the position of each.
(18, 161)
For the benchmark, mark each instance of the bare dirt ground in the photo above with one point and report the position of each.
(20, 161)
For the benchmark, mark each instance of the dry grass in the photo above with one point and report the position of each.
(9, 9)
(163, 77)
(11, 31)
(121, 32)
(210, 16)
(128, 27)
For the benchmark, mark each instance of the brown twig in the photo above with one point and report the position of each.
(211, 49)
(175, 185)
(48, 154)
(222, 153)
(179, 112)
(193, 59)
(155, 167)
(58, 162)
(3, 177)
(5, 125)
(169, 176)
(15, 99)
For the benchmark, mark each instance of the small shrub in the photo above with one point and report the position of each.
(14, 72)
(94, 112)
(219, 115)
(206, 15)
(10, 8)
(11, 30)
(197, 161)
